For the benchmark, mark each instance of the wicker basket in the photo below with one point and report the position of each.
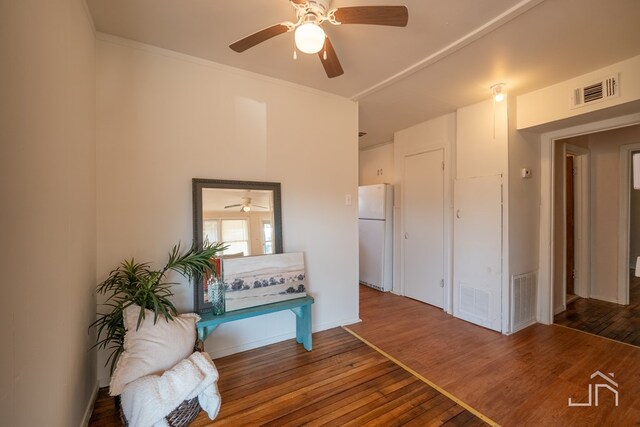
(182, 416)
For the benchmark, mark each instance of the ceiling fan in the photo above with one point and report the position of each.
(309, 35)
(246, 205)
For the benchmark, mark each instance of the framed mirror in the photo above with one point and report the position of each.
(245, 215)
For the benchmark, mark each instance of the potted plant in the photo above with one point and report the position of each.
(137, 283)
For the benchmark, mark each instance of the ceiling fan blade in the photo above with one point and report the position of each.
(396, 16)
(298, 1)
(258, 206)
(233, 206)
(331, 65)
(257, 38)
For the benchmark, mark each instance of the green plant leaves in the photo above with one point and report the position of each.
(137, 283)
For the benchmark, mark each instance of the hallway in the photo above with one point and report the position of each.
(606, 319)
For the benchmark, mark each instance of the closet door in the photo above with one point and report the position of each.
(477, 269)
(423, 207)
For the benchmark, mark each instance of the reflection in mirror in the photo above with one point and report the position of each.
(245, 215)
(242, 219)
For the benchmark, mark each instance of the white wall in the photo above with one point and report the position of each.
(376, 165)
(439, 133)
(47, 179)
(553, 103)
(165, 118)
(605, 207)
(524, 197)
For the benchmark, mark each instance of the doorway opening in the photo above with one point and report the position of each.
(548, 253)
(570, 235)
(611, 303)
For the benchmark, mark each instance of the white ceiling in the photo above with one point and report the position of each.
(447, 57)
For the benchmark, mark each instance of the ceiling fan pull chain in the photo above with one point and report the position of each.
(295, 51)
(324, 55)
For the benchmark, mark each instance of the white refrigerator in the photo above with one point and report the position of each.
(375, 207)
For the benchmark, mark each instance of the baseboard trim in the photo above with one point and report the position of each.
(227, 351)
(607, 299)
(92, 402)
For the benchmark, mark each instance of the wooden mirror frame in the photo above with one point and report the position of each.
(199, 184)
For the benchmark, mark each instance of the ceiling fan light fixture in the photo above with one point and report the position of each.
(309, 38)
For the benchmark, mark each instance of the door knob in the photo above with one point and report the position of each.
(458, 213)
(406, 236)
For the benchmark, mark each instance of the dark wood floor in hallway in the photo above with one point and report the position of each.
(524, 379)
(614, 321)
(342, 382)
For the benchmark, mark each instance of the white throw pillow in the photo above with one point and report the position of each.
(152, 349)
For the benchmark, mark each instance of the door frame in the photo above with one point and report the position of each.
(624, 232)
(545, 259)
(448, 221)
(582, 247)
(447, 302)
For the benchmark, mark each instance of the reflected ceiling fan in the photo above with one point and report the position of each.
(246, 205)
(311, 38)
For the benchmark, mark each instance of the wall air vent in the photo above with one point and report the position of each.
(596, 92)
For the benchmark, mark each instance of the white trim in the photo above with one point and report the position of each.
(624, 224)
(582, 251)
(108, 38)
(607, 299)
(582, 281)
(545, 267)
(463, 41)
(447, 303)
(505, 309)
(92, 402)
(562, 308)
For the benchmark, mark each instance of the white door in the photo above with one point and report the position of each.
(423, 211)
(371, 251)
(477, 253)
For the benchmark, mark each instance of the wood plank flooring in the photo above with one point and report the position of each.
(341, 382)
(614, 321)
(524, 379)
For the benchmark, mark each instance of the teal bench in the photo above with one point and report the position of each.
(301, 307)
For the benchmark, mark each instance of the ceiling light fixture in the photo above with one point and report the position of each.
(309, 37)
(498, 94)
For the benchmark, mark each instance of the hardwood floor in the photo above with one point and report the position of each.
(341, 382)
(524, 379)
(614, 321)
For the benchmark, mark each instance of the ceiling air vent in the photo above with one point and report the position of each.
(596, 92)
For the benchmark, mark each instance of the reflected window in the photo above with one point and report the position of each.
(211, 230)
(233, 232)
